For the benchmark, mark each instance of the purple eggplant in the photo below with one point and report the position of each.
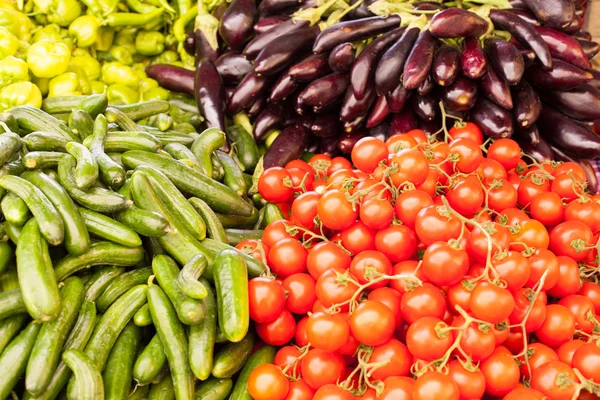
(426, 107)
(506, 60)
(431, 127)
(329, 145)
(589, 47)
(248, 90)
(300, 106)
(525, 15)
(524, 33)
(579, 12)
(268, 23)
(579, 3)
(541, 151)
(529, 58)
(228, 93)
(403, 122)
(361, 71)
(210, 94)
(283, 88)
(305, 120)
(378, 113)
(176, 79)
(326, 125)
(237, 22)
(445, 66)
(561, 76)
(270, 7)
(272, 117)
(575, 26)
(362, 10)
(564, 47)
(282, 51)
(347, 142)
(397, 98)
(581, 103)
(493, 120)
(325, 91)
(429, 6)
(473, 61)
(519, 4)
(356, 124)
(418, 63)
(527, 104)
(233, 67)
(203, 48)
(572, 138)
(590, 174)
(353, 108)
(531, 133)
(583, 35)
(426, 86)
(461, 95)
(496, 89)
(595, 82)
(553, 13)
(312, 67)
(259, 104)
(341, 58)
(189, 44)
(389, 68)
(257, 44)
(457, 22)
(380, 131)
(288, 146)
(350, 31)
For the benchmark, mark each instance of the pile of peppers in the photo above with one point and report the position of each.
(51, 48)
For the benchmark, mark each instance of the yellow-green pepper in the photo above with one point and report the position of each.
(126, 38)
(106, 36)
(66, 84)
(47, 59)
(156, 93)
(84, 80)
(121, 54)
(8, 5)
(150, 43)
(90, 65)
(48, 32)
(42, 84)
(16, 22)
(85, 30)
(167, 57)
(121, 94)
(63, 12)
(20, 94)
(13, 70)
(115, 72)
(9, 44)
(98, 87)
(147, 84)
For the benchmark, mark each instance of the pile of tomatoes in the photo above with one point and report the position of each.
(428, 270)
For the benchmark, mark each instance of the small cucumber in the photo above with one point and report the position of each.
(9, 327)
(46, 141)
(171, 137)
(107, 228)
(13, 360)
(214, 389)
(209, 140)
(6, 255)
(235, 236)
(272, 213)
(100, 253)
(111, 173)
(189, 275)
(162, 390)
(143, 222)
(36, 276)
(214, 228)
(117, 375)
(86, 169)
(121, 284)
(42, 159)
(213, 248)
(114, 115)
(264, 355)
(144, 109)
(239, 221)
(14, 209)
(88, 381)
(150, 362)
(11, 168)
(247, 151)
(234, 176)
(12, 231)
(32, 119)
(142, 316)
(81, 123)
(125, 141)
(180, 152)
(202, 337)
(232, 357)
(96, 285)
(93, 104)
(10, 144)
(139, 393)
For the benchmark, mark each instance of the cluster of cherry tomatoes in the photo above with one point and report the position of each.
(428, 270)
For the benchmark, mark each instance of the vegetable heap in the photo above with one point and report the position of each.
(428, 270)
(118, 278)
(389, 67)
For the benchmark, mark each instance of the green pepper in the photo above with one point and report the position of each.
(63, 12)
(115, 72)
(66, 84)
(140, 7)
(106, 36)
(147, 84)
(48, 32)
(47, 59)
(9, 44)
(167, 57)
(156, 93)
(16, 22)
(13, 70)
(121, 94)
(183, 21)
(20, 94)
(188, 60)
(8, 5)
(85, 30)
(42, 84)
(108, 6)
(132, 19)
(150, 43)
(90, 65)
(126, 38)
(22, 50)
(84, 80)
(121, 54)
(98, 87)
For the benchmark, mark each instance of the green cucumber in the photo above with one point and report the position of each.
(11, 168)
(171, 136)
(272, 213)
(143, 222)
(50, 223)
(12, 231)
(125, 141)
(100, 253)
(180, 152)
(107, 228)
(189, 275)
(235, 236)
(218, 196)
(202, 337)
(14, 209)
(176, 202)
(144, 109)
(95, 198)
(9, 327)
(36, 276)
(31, 119)
(121, 284)
(142, 316)
(86, 169)
(46, 141)
(214, 228)
(77, 238)
(209, 140)
(45, 355)
(161, 121)
(231, 285)
(264, 355)
(174, 340)
(6, 255)
(214, 389)
(213, 248)
(232, 357)
(93, 104)
(88, 383)
(150, 362)
(9, 121)
(248, 180)
(219, 337)
(218, 171)
(81, 123)
(189, 310)
(162, 390)
(239, 221)
(234, 176)
(13, 360)
(117, 375)
(10, 144)
(96, 285)
(111, 173)
(114, 115)
(42, 159)
(247, 151)
(139, 393)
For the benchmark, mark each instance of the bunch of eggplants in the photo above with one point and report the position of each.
(522, 71)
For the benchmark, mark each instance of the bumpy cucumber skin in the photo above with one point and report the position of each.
(88, 383)
(117, 374)
(150, 362)
(13, 360)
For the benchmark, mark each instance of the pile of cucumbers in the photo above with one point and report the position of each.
(118, 275)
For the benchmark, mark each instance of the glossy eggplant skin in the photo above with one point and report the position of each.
(403, 122)
(493, 120)
(312, 67)
(589, 47)
(426, 107)
(555, 14)
(237, 23)
(248, 90)
(356, 124)
(171, 77)
(582, 35)
(446, 65)
(233, 67)
(506, 60)
(461, 95)
(362, 69)
(528, 58)
(473, 61)
(270, 7)
(457, 22)
(581, 103)
(524, 33)
(561, 76)
(267, 23)
(418, 63)
(496, 89)
(575, 26)
(257, 44)
(525, 15)
(379, 112)
(341, 58)
(283, 88)
(390, 66)
(362, 10)
(540, 151)
(347, 142)
(325, 91)
(527, 104)
(203, 48)
(258, 105)
(571, 137)
(350, 31)
(564, 47)
(590, 174)
(288, 146)
(271, 117)
(353, 108)
(531, 133)
(397, 98)
(282, 51)
(326, 125)
(427, 86)
(210, 94)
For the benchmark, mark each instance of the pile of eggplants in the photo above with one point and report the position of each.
(534, 83)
